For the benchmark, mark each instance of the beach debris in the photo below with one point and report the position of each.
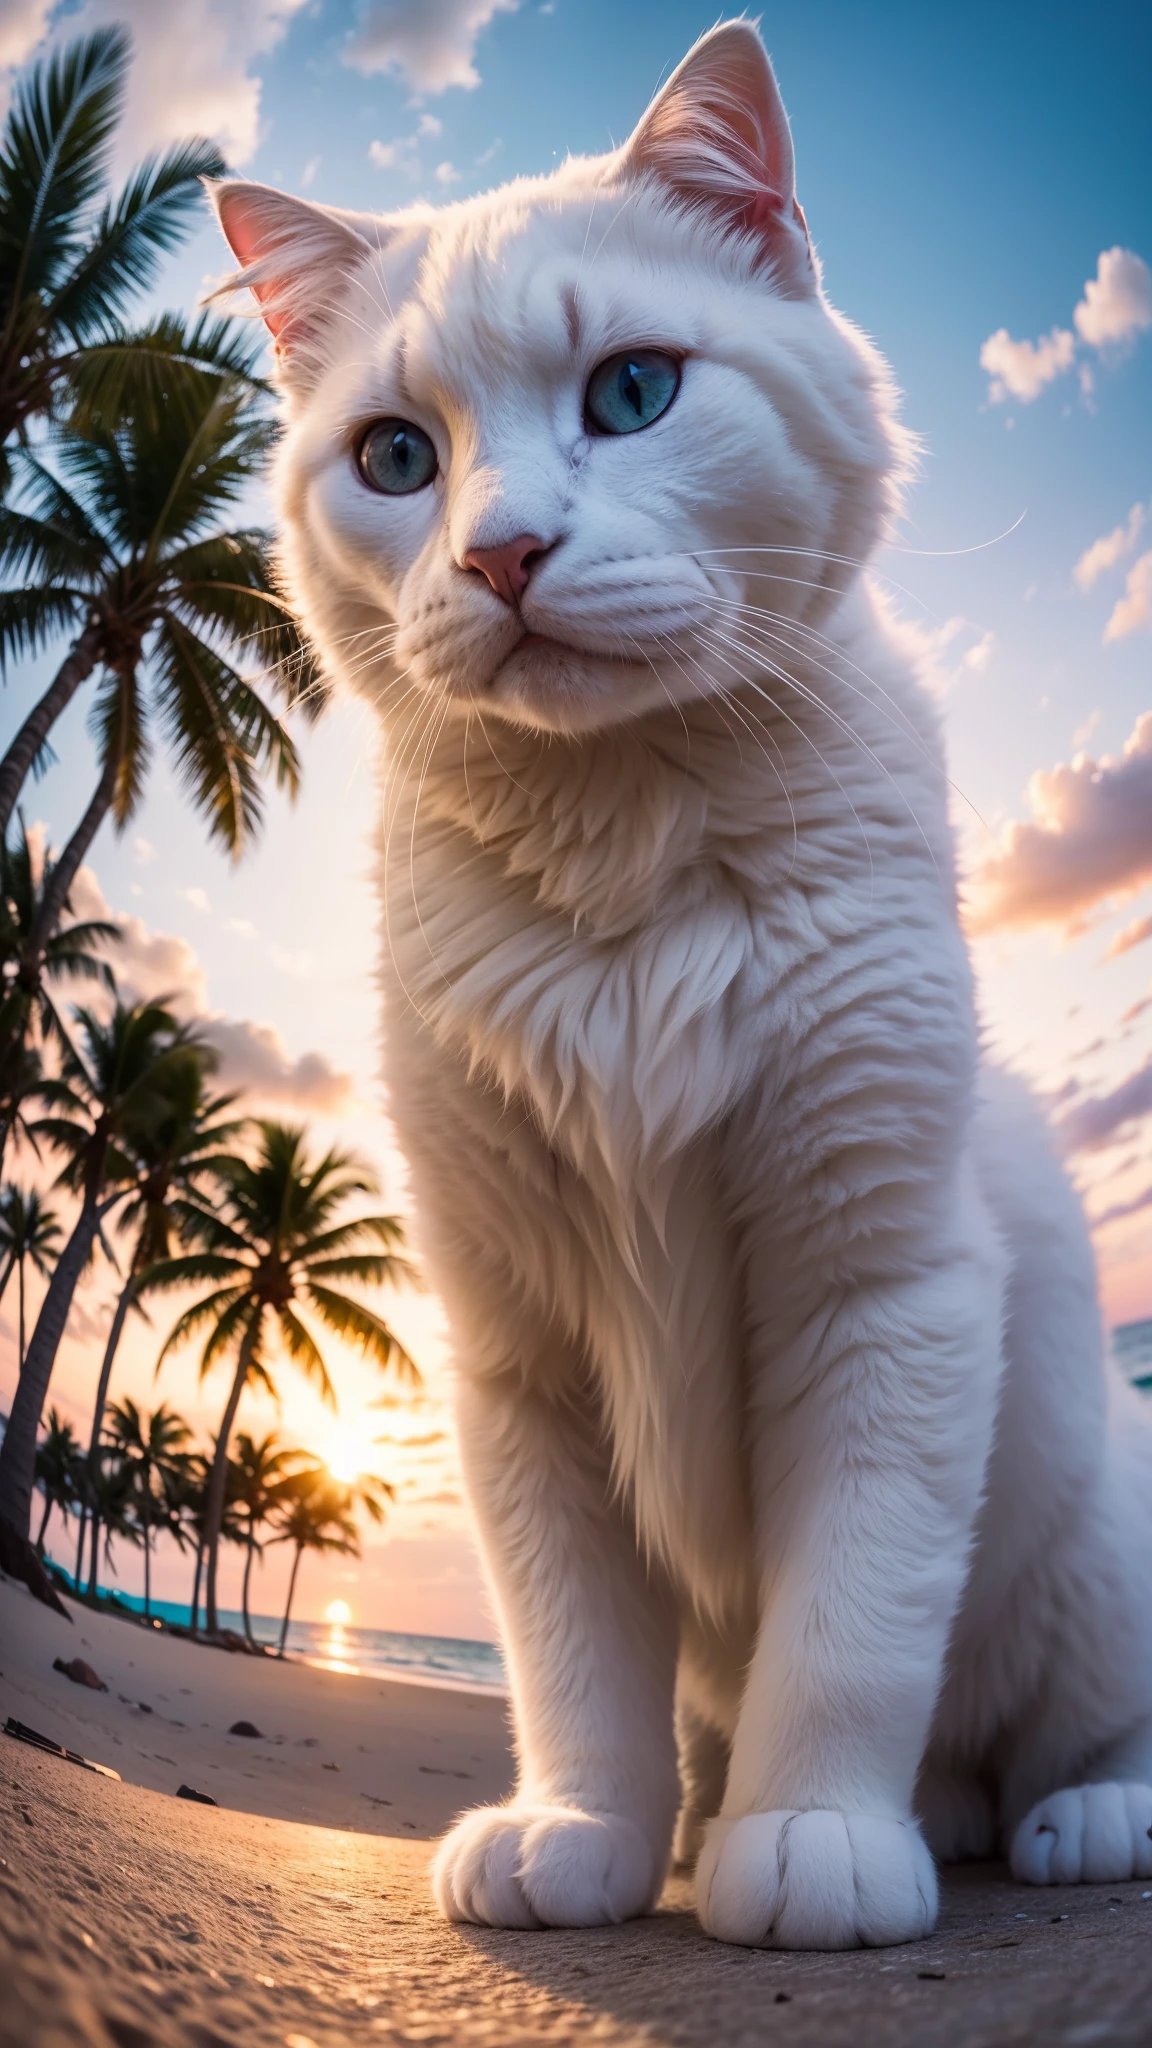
(443, 1771)
(20, 1732)
(80, 1673)
(373, 1801)
(201, 1798)
(246, 1728)
(329, 1767)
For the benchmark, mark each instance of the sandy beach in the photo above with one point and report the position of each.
(298, 1914)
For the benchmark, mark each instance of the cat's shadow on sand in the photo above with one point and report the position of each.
(1007, 1964)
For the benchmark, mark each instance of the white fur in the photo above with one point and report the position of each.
(781, 1397)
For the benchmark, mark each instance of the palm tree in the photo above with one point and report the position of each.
(71, 256)
(121, 541)
(173, 1155)
(260, 1472)
(106, 1093)
(29, 969)
(113, 1516)
(28, 1231)
(58, 1468)
(153, 1450)
(190, 1501)
(273, 1246)
(316, 1515)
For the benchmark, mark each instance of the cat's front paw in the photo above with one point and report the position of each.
(815, 1880)
(543, 1866)
(1088, 1834)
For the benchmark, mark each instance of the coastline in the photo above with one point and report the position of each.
(385, 1756)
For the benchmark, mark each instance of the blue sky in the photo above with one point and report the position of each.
(963, 168)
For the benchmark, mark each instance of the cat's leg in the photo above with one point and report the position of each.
(875, 1412)
(704, 1751)
(957, 1813)
(590, 1637)
(1097, 1831)
(709, 1682)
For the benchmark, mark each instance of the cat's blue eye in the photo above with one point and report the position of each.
(395, 457)
(631, 390)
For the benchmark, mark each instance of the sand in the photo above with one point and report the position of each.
(360, 1753)
(129, 1919)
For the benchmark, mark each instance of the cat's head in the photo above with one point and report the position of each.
(560, 452)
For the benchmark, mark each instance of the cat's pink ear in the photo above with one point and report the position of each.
(718, 136)
(294, 257)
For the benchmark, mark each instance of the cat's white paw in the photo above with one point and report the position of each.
(543, 1866)
(815, 1880)
(1089, 1834)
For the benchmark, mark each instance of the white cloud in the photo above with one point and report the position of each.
(432, 42)
(254, 1057)
(1134, 609)
(1021, 369)
(1101, 1120)
(143, 852)
(192, 73)
(1089, 839)
(1084, 732)
(1133, 934)
(22, 24)
(400, 155)
(978, 656)
(486, 155)
(1109, 549)
(446, 174)
(951, 648)
(1116, 306)
(1117, 302)
(198, 898)
(429, 125)
(310, 169)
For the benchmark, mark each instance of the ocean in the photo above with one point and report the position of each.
(367, 1652)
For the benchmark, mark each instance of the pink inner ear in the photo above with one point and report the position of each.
(246, 230)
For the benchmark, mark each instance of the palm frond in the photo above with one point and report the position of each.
(54, 159)
(302, 1349)
(222, 734)
(153, 213)
(358, 1325)
(146, 370)
(30, 617)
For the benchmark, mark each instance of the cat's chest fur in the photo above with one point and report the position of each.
(627, 937)
(638, 941)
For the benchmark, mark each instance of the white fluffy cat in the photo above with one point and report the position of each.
(809, 1506)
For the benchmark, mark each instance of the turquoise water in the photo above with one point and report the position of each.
(371, 1652)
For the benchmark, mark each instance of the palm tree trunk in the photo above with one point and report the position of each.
(6, 1275)
(247, 1579)
(44, 1524)
(18, 1451)
(127, 1295)
(63, 875)
(21, 1265)
(214, 1519)
(75, 669)
(94, 1565)
(196, 1589)
(288, 1604)
(80, 1550)
(147, 1568)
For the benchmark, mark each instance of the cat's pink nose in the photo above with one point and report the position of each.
(507, 568)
